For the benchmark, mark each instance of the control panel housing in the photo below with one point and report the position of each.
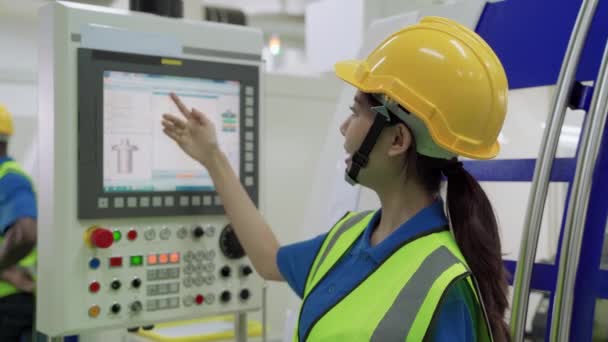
(134, 259)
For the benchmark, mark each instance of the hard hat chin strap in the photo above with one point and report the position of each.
(361, 157)
(424, 143)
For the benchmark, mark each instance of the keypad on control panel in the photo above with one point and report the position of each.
(167, 280)
(198, 268)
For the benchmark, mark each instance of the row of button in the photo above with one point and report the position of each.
(189, 269)
(199, 256)
(199, 281)
(95, 286)
(162, 304)
(135, 260)
(157, 201)
(181, 233)
(199, 299)
(249, 137)
(163, 274)
(163, 258)
(134, 307)
(162, 289)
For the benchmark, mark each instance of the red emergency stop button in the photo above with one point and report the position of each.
(199, 299)
(99, 237)
(94, 287)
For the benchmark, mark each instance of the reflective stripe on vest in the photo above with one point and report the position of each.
(398, 301)
(29, 261)
(343, 225)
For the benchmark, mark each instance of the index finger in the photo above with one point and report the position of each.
(180, 105)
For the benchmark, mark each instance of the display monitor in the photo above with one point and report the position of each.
(137, 155)
(127, 166)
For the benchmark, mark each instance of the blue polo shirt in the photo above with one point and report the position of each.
(17, 199)
(454, 320)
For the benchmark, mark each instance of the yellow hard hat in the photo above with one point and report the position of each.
(6, 122)
(447, 76)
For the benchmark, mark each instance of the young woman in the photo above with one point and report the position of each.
(406, 272)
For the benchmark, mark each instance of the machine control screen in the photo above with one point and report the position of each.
(137, 155)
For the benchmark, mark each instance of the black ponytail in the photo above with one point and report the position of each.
(476, 231)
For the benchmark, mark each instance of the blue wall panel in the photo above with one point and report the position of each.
(531, 36)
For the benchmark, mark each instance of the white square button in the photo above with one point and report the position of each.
(132, 202)
(157, 201)
(184, 201)
(207, 200)
(144, 202)
(119, 202)
(102, 203)
(196, 200)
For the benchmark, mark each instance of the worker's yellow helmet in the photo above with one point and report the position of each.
(447, 76)
(6, 123)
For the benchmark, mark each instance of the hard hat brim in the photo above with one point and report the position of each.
(347, 71)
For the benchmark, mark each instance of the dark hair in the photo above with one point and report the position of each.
(476, 231)
(474, 225)
(3, 148)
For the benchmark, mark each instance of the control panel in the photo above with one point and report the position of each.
(132, 231)
(151, 271)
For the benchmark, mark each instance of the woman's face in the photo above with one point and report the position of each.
(390, 148)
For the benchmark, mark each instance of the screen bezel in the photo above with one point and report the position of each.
(93, 201)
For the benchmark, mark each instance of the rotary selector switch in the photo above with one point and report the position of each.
(230, 245)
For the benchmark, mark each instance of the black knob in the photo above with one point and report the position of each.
(245, 294)
(225, 271)
(230, 245)
(136, 306)
(133, 330)
(136, 283)
(225, 296)
(198, 232)
(148, 327)
(115, 284)
(246, 270)
(115, 308)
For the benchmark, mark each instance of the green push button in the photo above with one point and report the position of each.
(137, 260)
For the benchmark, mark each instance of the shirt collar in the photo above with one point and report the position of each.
(426, 220)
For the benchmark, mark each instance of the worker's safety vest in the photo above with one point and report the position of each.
(398, 300)
(29, 261)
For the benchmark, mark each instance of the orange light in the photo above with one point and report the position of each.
(152, 259)
(163, 258)
(94, 311)
(174, 258)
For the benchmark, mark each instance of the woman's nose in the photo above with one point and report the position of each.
(344, 126)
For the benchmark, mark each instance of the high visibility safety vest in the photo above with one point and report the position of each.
(398, 300)
(29, 261)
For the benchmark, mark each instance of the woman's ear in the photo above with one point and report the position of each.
(401, 140)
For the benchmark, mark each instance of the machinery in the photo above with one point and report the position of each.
(132, 231)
